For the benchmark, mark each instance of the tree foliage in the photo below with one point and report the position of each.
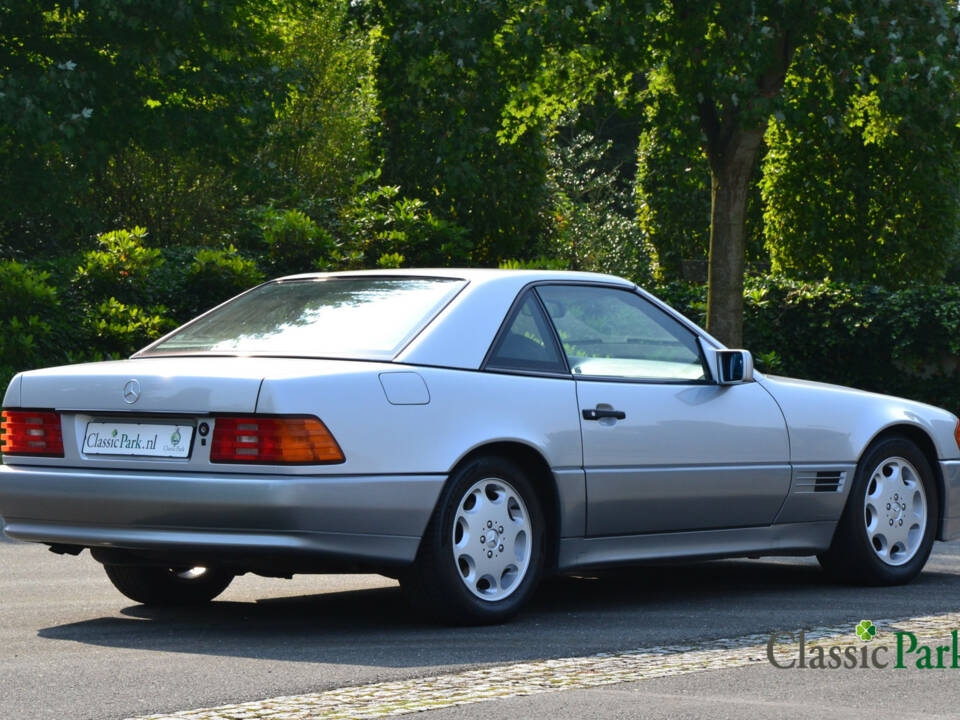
(901, 342)
(157, 157)
(861, 186)
(724, 65)
(592, 224)
(441, 96)
(82, 81)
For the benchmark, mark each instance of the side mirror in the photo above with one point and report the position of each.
(734, 366)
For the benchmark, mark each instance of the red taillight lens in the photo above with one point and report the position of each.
(273, 440)
(31, 432)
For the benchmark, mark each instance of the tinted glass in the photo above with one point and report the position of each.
(527, 343)
(364, 317)
(616, 333)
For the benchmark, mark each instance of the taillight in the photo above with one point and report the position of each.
(31, 432)
(273, 440)
(956, 434)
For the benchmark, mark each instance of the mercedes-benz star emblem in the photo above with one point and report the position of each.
(131, 392)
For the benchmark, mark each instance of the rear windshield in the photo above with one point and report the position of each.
(352, 317)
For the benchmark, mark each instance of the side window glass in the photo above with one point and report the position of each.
(616, 333)
(528, 342)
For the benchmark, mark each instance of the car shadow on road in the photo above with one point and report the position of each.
(622, 609)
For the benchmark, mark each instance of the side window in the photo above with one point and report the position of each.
(527, 342)
(616, 333)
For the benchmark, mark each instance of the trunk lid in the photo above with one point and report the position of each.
(188, 385)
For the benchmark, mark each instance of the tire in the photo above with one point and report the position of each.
(482, 553)
(151, 585)
(887, 529)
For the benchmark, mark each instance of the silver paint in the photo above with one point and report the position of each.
(950, 472)
(687, 455)
(804, 504)
(277, 505)
(404, 388)
(680, 460)
(804, 538)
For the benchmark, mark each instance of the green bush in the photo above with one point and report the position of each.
(537, 263)
(899, 342)
(903, 342)
(214, 276)
(121, 267)
(31, 326)
(379, 223)
(593, 220)
(294, 242)
(115, 330)
(116, 295)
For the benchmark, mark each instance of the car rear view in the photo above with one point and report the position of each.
(183, 458)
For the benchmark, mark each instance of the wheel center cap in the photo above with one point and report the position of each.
(493, 538)
(896, 508)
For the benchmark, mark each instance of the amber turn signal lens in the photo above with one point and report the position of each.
(273, 441)
(31, 432)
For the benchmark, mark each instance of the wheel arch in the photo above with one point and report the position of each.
(919, 437)
(535, 465)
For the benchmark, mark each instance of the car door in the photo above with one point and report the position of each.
(665, 448)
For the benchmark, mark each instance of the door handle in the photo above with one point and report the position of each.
(597, 413)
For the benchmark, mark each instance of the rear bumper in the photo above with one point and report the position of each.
(352, 518)
(950, 527)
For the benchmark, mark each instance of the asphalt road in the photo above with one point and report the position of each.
(71, 646)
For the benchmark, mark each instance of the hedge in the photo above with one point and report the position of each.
(899, 342)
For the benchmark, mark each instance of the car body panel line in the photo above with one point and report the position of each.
(572, 496)
(830, 421)
(785, 539)
(789, 451)
(375, 549)
(812, 495)
(374, 505)
(950, 512)
(256, 403)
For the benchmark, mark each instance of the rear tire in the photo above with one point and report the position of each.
(151, 585)
(481, 555)
(887, 529)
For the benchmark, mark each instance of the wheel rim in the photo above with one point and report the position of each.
(492, 539)
(895, 511)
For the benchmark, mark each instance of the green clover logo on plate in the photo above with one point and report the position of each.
(114, 433)
(866, 630)
(175, 438)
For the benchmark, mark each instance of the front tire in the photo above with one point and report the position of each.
(151, 585)
(887, 529)
(482, 552)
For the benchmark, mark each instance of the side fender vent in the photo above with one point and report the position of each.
(828, 481)
(820, 481)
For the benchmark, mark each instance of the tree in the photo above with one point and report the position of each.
(728, 61)
(673, 195)
(319, 143)
(860, 187)
(593, 225)
(441, 95)
(81, 81)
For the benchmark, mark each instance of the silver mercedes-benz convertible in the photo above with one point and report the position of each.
(464, 431)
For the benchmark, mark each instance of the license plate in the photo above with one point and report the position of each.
(106, 438)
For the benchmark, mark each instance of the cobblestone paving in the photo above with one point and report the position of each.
(403, 697)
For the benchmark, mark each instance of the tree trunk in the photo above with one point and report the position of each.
(730, 172)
